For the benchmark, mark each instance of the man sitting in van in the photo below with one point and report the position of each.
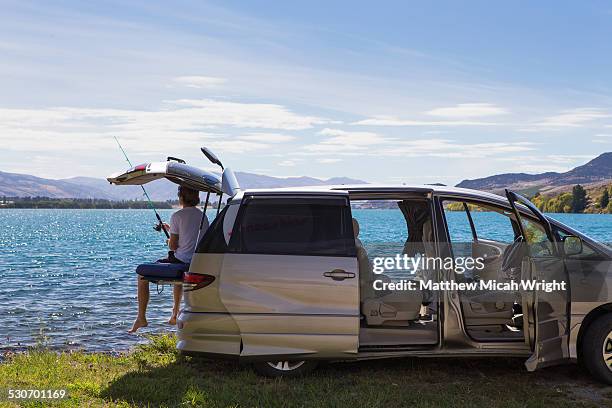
(184, 229)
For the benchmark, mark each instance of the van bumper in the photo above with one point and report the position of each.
(268, 337)
(214, 334)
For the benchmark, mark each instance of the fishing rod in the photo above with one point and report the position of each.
(161, 223)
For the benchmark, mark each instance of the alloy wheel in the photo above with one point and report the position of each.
(607, 351)
(292, 365)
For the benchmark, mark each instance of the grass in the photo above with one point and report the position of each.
(156, 375)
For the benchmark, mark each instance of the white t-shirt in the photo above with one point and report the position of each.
(186, 224)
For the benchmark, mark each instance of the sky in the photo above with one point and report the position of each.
(387, 92)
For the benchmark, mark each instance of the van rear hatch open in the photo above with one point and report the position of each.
(184, 175)
(179, 173)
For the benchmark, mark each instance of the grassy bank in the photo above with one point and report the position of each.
(155, 375)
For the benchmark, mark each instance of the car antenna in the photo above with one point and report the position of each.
(160, 226)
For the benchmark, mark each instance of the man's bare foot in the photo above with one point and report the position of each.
(138, 323)
(172, 321)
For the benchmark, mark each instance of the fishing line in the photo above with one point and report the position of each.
(161, 223)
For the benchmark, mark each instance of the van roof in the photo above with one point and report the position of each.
(414, 188)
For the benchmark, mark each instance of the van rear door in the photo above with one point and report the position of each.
(290, 276)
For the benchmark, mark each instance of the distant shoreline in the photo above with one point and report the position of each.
(46, 203)
(214, 208)
(77, 203)
(114, 208)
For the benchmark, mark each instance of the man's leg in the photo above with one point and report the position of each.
(143, 301)
(178, 294)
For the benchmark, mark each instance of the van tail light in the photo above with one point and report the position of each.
(193, 281)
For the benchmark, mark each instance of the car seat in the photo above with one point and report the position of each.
(486, 307)
(383, 307)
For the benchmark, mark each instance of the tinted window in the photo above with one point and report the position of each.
(213, 241)
(295, 226)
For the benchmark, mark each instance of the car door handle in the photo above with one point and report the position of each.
(339, 274)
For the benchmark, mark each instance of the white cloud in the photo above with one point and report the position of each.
(342, 137)
(328, 160)
(571, 119)
(451, 149)
(177, 128)
(287, 163)
(467, 115)
(394, 121)
(226, 144)
(180, 124)
(199, 82)
(458, 115)
(468, 110)
(184, 114)
(545, 163)
(343, 143)
(604, 138)
(253, 115)
(268, 137)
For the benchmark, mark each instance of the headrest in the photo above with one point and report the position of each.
(355, 228)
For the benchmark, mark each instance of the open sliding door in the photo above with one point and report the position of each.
(546, 312)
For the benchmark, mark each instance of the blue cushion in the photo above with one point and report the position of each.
(158, 270)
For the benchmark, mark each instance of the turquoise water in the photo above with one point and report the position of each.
(69, 279)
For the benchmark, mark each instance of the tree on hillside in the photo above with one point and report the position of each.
(604, 200)
(540, 201)
(579, 199)
(559, 204)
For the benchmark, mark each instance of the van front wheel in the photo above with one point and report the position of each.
(597, 348)
(284, 368)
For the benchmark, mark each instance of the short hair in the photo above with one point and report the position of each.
(190, 196)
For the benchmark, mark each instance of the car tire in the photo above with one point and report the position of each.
(597, 349)
(284, 368)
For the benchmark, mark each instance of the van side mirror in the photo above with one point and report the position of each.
(572, 245)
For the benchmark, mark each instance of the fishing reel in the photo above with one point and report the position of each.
(159, 227)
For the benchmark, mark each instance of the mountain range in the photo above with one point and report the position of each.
(592, 174)
(596, 172)
(23, 185)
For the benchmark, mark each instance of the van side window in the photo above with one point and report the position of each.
(294, 226)
(213, 241)
(535, 235)
(472, 222)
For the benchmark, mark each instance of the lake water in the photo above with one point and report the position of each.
(69, 281)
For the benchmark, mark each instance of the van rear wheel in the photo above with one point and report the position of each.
(597, 349)
(284, 368)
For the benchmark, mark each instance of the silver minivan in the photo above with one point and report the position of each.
(285, 278)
